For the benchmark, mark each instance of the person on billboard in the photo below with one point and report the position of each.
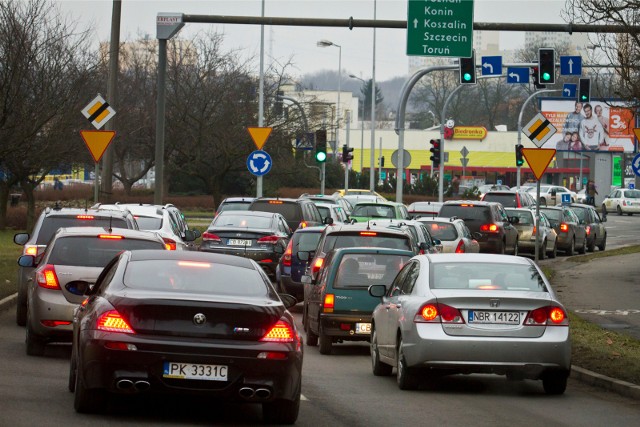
(573, 120)
(576, 144)
(591, 131)
(604, 121)
(564, 145)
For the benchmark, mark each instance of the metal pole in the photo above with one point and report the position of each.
(96, 183)
(372, 169)
(443, 119)
(346, 164)
(322, 175)
(362, 140)
(335, 154)
(380, 163)
(159, 164)
(537, 220)
(580, 182)
(261, 95)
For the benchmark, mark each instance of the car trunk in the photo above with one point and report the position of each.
(242, 237)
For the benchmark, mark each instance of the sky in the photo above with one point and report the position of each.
(298, 44)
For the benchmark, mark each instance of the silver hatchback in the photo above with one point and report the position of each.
(526, 227)
(453, 234)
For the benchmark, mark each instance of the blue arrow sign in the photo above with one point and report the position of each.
(259, 163)
(570, 65)
(491, 65)
(518, 75)
(569, 90)
(635, 164)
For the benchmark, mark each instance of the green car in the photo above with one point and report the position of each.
(363, 212)
(337, 305)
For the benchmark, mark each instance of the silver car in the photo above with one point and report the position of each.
(526, 227)
(71, 264)
(470, 313)
(453, 234)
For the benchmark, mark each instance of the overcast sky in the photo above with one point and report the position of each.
(298, 44)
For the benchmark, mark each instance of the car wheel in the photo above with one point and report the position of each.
(35, 344)
(543, 251)
(555, 382)
(21, 306)
(619, 210)
(630, 214)
(604, 210)
(405, 376)
(583, 248)
(379, 369)
(603, 245)
(73, 372)
(282, 411)
(87, 401)
(554, 252)
(592, 245)
(572, 247)
(312, 339)
(325, 343)
(515, 248)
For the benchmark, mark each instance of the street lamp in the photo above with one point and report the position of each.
(361, 126)
(327, 43)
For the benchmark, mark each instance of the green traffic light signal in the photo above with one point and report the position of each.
(546, 77)
(321, 156)
(467, 77)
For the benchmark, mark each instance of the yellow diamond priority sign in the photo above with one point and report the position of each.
(259, 136)
(97, 141)
(98, 112)
(539, 130)
(538, 159)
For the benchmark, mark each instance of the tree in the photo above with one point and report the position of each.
(366, 92)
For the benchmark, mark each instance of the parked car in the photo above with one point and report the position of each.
(235, 204)
(594, 225)
(290, 267)
(622, 201)
(333, 211)
(337, 307)
(187, 323)
(470, 313)
(497, 234)
(453, 234)
(365, 211)
(510, 199)
(260, 236)
(73, 259)
(571, 233)
(551, 195)
(297, 212)
(527, 225)
(49, 221)
(423, 209)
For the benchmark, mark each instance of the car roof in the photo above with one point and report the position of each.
(82, 211)
(476, 257)
(313, 229)
(145, 210)
(238, 200)
(371, 250)
(145, 255)
(263, 214)
(469, 202)
(363, 226)
(93, 231)
(439, 219)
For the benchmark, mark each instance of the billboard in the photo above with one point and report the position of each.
(591, 126)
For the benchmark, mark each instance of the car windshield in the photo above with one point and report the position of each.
(632, 194)
(234, 220)
(443, 231)
(366, 239)
(507, 200)
(362, 270)
(93, 251)
(524, 217)
(486, 276)
(373, 211)
(195, 277)
(148, 222)
(51, 224)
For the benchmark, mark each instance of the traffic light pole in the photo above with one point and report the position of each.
(346, 164)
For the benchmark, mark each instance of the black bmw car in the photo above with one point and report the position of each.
(187, 322)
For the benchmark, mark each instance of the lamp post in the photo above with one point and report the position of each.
(361, 126)
(327, 43)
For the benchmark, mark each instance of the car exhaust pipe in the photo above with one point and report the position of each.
(246, 392)
(124, 384)
(263, 393)
(142, 385)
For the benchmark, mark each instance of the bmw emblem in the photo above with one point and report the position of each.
(199, 319)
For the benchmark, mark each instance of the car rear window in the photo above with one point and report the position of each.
(196, 278)
(524, 217)
(510, 277)
(361, 270)
(240, 221)
(88, 251)
(307, 242)
(442, 231)
(466, 212)
(373, 211)
(234, 206)
(580, 212)
(51, 224)
(366, 239)
(507, 200)
(554, 215)
(148, 222)
(289, 211)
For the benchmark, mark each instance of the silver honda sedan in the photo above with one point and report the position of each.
(470, 313)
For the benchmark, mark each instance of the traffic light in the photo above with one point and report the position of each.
(468, 69)
(534, 76)
(435, 149)
(277, 106)
(321, 146)
(547, 66)
(382, 161)
(346, 153)
(519, 156)
(584, 90)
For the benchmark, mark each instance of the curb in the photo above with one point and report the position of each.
(584, 375)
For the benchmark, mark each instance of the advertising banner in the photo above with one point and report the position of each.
(591, 126)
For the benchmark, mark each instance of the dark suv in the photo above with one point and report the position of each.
(510, 199)
(497, 234)
(50, 220)
(297, 213)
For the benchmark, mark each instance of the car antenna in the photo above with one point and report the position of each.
(368, 224)
(110, 223)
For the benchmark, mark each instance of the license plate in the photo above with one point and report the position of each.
(239, 242)
(363, 328)
(498, 317)
(195, 371)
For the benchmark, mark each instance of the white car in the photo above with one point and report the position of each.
(622, 200)
(551, 195)
(332, 210)
(453, 234)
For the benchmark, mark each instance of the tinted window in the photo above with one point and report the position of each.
(511, 277)
(466, 212)
(289, 211)
(633, 194)
(234, 206)
(336, 241)
(325, 212)
(507, 200)
(307, 242)
(553, 214)
(374, 211)
(149, 223)
(580, 213)
(362, 270)
(51, 224)
(442, 231)
(240, 221)
(524, 217)
(94, 252)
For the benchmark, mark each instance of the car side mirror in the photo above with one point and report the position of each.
(377, 291)
(288, 300)
(191, 235)
(78, 287)
(514, 220)
(304, 256)
(476, 235)
(20, 238)
(424, 246)
(328, 220)
(278, 249)
(27, 261)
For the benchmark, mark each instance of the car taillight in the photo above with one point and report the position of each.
(460, 247)
(47, 278)
(489, 228)
(170, 244)
(317, 265)
(303, 224)
(438, 313)
(30, 250)
(368, 233)
(212, 237)
(110, 236)
(564, 227)
(269, 239)
(54, 323)
(588, 229)
(329, 303)
(280, 332)
(549, 316)
(112, 321)
(286, 257)
(89, 217)
(534, 230)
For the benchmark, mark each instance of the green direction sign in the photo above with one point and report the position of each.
(440, 28)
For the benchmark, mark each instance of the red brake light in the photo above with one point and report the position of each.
(588, 228)
(489, 228)
(286, 257)
(564, 227)
(460, 247)
(329, 303)
(194, 264)
(549, 316)
(170, 244)
(210, 236)
(303, 224)
(110, 236)
(112, 321)
(534, 230)
(269, 239)
(54, 323)
(465, 205)
(438, 313)
(85, 217)
(47, 277)
(368, 233)
(275, 202)
(317, 265)
(280, 332)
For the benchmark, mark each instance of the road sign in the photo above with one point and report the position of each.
(518, 75)
(440, 28)
(305, 142)
(97, 141)
(566, 198)
(632, 186)
(569, 90)
(570, 65)
(259, 163)
(464, 152)
(539, 130)
(491, 65)
(98, 112)
(635, 164)
(538, 159)
(406, 159)
(636, 132)
(259, 136)
(464, 161)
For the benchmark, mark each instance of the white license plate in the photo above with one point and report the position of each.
(363, 328)
(499, 317)
(195, 371)
(239, 242)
